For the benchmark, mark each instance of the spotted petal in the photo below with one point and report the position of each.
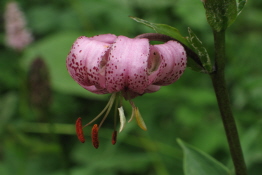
(84, 63)
(127, 65)
(107, 38)
(173, 62)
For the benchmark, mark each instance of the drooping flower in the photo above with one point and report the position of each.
(17, 35)
(124, 67)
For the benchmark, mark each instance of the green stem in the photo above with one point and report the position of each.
(219, 84)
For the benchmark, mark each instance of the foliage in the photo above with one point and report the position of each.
(199, 163)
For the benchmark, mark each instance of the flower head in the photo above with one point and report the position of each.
(130, 67)
(107, 63)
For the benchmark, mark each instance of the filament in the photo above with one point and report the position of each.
(108, 106)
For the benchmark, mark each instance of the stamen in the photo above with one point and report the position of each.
(107, 112)
(115, 115)
(118, 101)
(114, 137)
(140, 120)
(122, 118)
(94, 135)
(79, 130)
(108, 106)
(132, 115)
(133, 110)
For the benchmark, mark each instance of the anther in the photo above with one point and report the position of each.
(94, 135)
(79, 130)
(114, 137)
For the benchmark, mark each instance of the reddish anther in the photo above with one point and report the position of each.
(114, 137)
(94, 135)
(79, 130)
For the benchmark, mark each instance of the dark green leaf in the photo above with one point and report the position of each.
(241, 4)
(220, 13)
(197, 162)
(164, 29)
(200, 50)
(231, 11)
(194, 66)
(251, 146)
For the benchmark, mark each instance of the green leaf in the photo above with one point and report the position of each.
(250, 144)
(194, 66)
(231, 11)
(220, 13)
(241, 4)
(163, 29)
(197, 162)
(200, 50)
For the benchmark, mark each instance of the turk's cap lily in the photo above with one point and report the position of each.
(106, 64)
(124, 67)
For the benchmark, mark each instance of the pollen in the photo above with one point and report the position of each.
(94, 135)
(114, 137)
(79, 130)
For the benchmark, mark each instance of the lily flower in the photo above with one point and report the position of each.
(125, 67)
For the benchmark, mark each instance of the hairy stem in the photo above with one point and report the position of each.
(219, 84)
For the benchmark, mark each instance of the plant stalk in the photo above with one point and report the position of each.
(219, 84)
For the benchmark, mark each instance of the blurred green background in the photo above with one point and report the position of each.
(38, 138)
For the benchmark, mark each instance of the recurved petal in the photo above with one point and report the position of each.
(127, 65)
(153, 64)
(96, 90)
(107, 38)
(152, 88)
(84, 62)
(76, 64)
(173, 62)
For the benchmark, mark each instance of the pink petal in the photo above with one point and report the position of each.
(173, 62)
(107, 38)
(154, 62)
(84, 63)
(75, 63)
(127, 65)
(96, 90)
(152, 88)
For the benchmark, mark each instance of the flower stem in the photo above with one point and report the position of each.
(219, 84)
